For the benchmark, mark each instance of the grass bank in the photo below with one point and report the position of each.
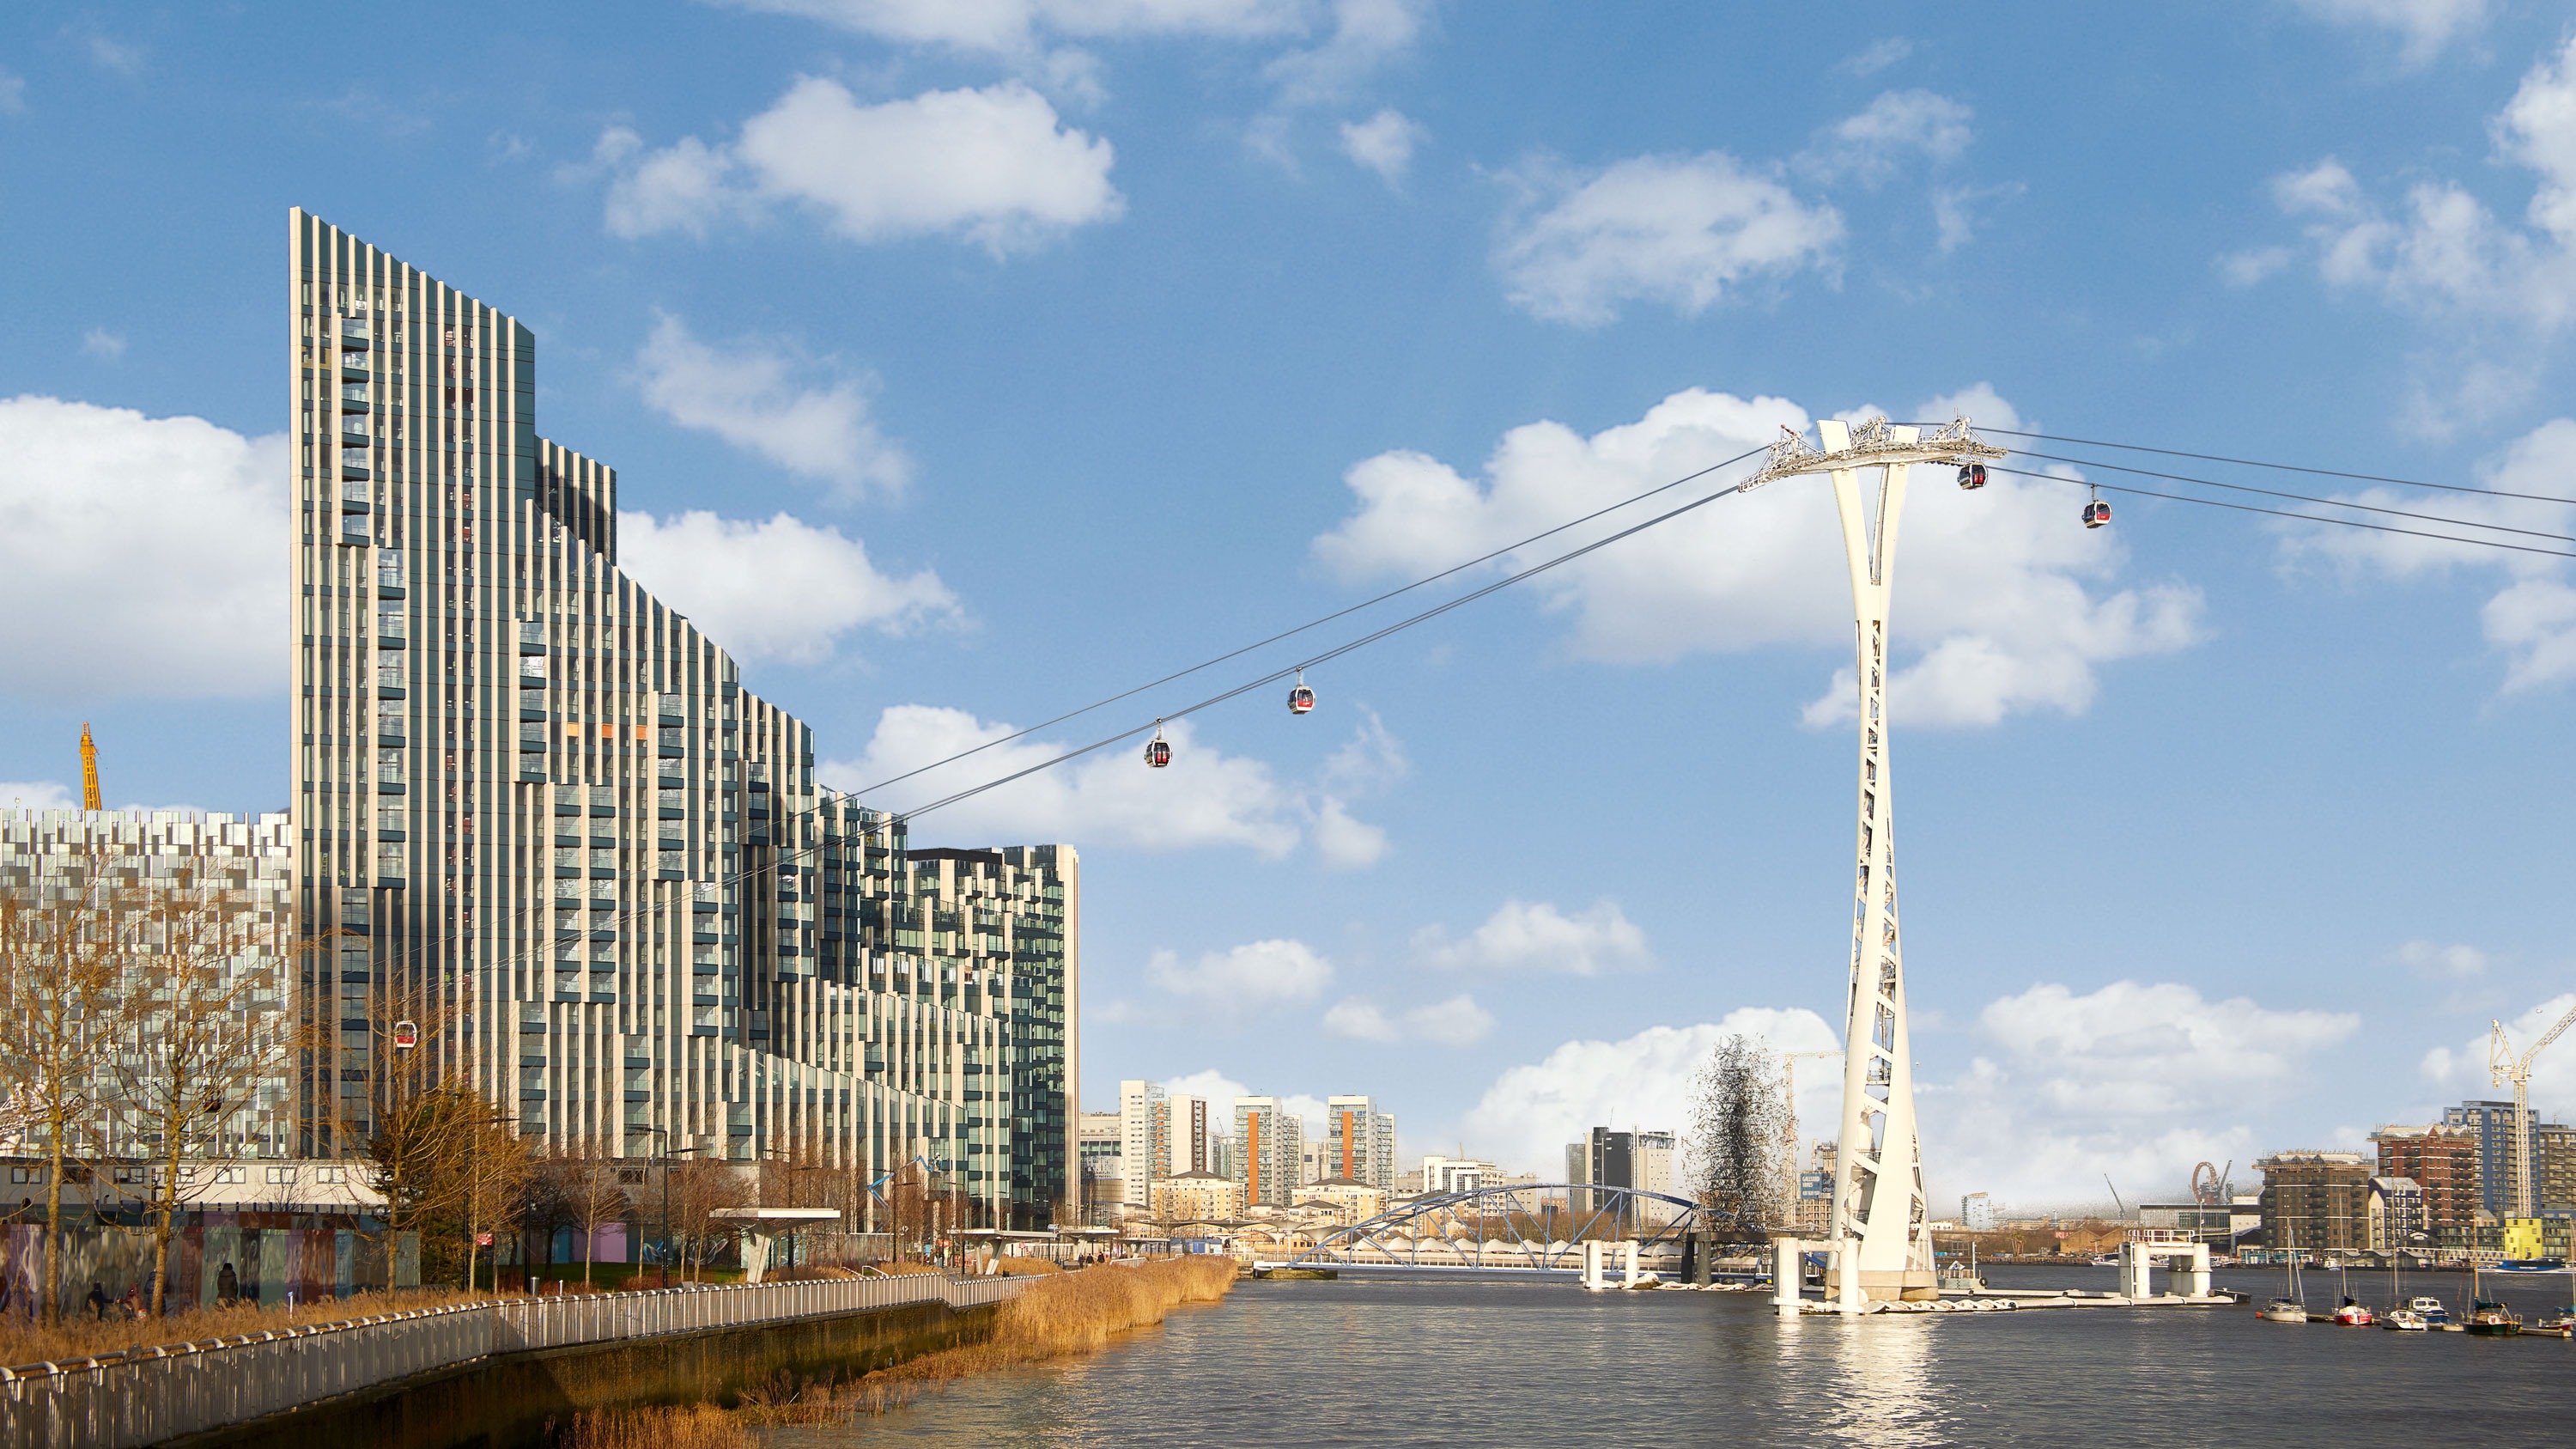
(25, 1342)
(1057, 1316)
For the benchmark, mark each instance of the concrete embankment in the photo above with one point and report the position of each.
(508, 1401)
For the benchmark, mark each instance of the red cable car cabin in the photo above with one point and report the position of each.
(1158, 751)
(2097, 513)
(1972, 475)
(1300, 700)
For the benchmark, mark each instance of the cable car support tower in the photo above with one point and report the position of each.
(1881, 1226)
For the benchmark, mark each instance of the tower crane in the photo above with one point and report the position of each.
(89, 770)
(1789, 1126)
(2507, 1068)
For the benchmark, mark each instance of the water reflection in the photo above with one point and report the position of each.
(1453, 1362)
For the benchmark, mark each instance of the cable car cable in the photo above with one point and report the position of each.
(2300, 497)
(1313, 623)
(2283, 467)
(2284, 513)
(1338, 651)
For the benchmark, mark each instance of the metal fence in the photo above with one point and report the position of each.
(144, 1396)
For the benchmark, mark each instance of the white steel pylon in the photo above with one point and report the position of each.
(1880, 1217)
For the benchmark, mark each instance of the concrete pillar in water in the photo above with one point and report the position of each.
(2133, 1270)
(1786, 1271)
(2199, 1270)
(1592, 1265)
(1628, 1263)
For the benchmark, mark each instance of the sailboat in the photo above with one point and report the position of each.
(2292, 1309)
(2487, 1316)
(2401, 1316)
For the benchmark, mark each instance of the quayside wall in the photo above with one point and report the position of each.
(486, 1375)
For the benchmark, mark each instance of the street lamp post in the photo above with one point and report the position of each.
(665, 1157)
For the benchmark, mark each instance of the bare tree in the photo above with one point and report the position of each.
(586, 1192)
(418, 1159)
(1738, 1106)
(699, 1190)
(62, 965)
(494, 1164)
(200, 1040)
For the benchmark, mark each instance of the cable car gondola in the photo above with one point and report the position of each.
(1972, 475)
(406, 1035)
(1301, 699)
(1158, 750)
(2097, 512)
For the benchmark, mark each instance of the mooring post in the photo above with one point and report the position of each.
(1787, 1266)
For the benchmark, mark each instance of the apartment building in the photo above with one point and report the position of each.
(549, 835)
(1359, 1143)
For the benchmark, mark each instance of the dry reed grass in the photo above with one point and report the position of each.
(1016, 1267)
(1057, 1316)
(693, 1426)
(23, 1342)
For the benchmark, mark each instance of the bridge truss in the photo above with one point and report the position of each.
(1524, 1227)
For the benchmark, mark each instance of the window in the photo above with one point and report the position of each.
(281, 1174)
(330, 1174)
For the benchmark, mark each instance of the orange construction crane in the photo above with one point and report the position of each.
(89, 770)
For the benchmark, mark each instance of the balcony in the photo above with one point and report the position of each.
(532, 674)
(353, 470)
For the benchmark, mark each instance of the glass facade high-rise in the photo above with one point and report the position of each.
(546, 833)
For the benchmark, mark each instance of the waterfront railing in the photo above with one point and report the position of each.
(148, 1395)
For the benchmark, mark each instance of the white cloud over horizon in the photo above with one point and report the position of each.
(187, 519)
(1246, 980)
(781, 589)
(2425, 26)
(1455, 1021)
(1679, 231)
(1384, 143)
(2004, 605)
(993, 166)
(746, 394)
(1536, 936)
(2462, 1070)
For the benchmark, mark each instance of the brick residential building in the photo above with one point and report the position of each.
(2444, 1162)
(2316, 1201)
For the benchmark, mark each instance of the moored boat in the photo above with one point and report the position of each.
(2351, 1314)
(2493, 1319)
(2284, 1310)
(2433, 1311)
(2556, 1325)
(2405, 1320)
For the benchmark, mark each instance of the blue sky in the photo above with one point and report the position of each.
(964, 363)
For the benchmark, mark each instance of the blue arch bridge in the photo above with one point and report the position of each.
(1515, 1228)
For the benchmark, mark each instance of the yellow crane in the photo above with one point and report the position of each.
(2508, 1069)
(89, 770)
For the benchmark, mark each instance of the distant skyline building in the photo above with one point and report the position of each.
(1359, 1142)
(1269, 1141)
(537, 815)
(1457, 1174)
(2444, 1164)
(1977, 1211)
(1638, 1160)
(2316, 1201)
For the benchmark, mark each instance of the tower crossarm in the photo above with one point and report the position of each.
(1873, 444)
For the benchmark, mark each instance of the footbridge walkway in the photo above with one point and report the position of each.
(146, 1396)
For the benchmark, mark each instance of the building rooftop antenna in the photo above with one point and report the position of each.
(89, 770)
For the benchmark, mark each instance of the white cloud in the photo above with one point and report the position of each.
(1204, 798)
(37, 795)
(2531, 621)
(1681, 231)
(1344, 841)
(1242, 981)
(783, 589)
(1457, 1021)
(2429, 958)
(1384, 143)
(747, 395)
(1878, 56)
(1895, 127)
(2553, 1073)
(2426, 26)
(1221, 1092)
(992, 165)
(1525, 936)
(2442, 253)
(138, 556)
(1014, 27)
(13, 92)
(100, 343)
(2248, 267)
(2136, 1081)
(2008, 595)
(1365, 34)
(1526, 1117)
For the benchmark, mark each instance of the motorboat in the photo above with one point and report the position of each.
(2486, 1316)
(2530, 1265)
(2434, 1312)
(2405, 1320)
(2105, 1260)
(2350, 1314)
(2557, 1325)
(2284, 1310)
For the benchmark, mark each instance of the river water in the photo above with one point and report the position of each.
(1373, 1360)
